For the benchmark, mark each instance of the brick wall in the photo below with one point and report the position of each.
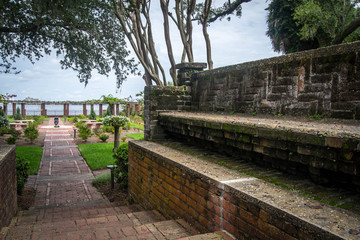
(320, 81)
(180, 186)
(8, 195)
(158, 99)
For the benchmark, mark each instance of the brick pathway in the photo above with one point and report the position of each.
(67, 206)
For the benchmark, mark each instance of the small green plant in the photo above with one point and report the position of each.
(108, 112)
(31, 133)
(18, 116)
(254, 113)
(108, 129)
(317, 116)
(80, 124)
(103, 137)
(85, 132)
(123, 139)
(97, 131)
(121, 160)
(92, 115)
(103, 178)
(11, 140)
(22, 173)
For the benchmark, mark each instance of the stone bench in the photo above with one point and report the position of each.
(94, 124)
(329, 152)
(22, 125)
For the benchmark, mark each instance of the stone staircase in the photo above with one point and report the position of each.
(67, 206)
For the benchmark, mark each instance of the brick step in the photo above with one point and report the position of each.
(51, 215)
(210, 236)
(117, 227)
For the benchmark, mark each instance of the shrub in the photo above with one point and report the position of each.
(2, 113)
(80, 124)
(85, 132)
(108, 112)
(73, 119)
(121, 160)
(92, 115)
(31, 132)
(82, 116)
(11, 140)
(4, 121)
(97, 131)
(103, 137)
(108, 129)
(18, 116)
(123, 139)
(22, 173)
(103, 178)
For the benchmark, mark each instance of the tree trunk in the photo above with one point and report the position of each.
(204, 19)
(116, 138)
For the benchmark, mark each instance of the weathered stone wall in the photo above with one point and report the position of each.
(8, 195)
(321, 81)
(158, 99)
(211, 197)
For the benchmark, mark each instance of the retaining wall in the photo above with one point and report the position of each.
(321, 81)
(211, 197)
(8, 195)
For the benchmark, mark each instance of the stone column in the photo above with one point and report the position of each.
(23, 110)
(136, 109)
(66, 109)
(43, 110)
(128, 110)
(14, 109)
(84, 109)
(5, 108)
(117, 109)
(187, 70)
(100, 110)
(111, 108)
(91, 107)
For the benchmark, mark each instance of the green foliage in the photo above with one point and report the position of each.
(136, 136)
(103, 137)
(121, 160)
(2, 113)
(123, 139)
(103, 178)
(97, 131)
(97, 155)
(32, 155)
(31, 132)
(85, 32)
(4, 122)
(80, 124)
(22, 173)
(108, 129)
(73, 119)
(11, 140)
(116, 121)
(92, 115)
(328, 21)
(108, 112)
(282, 28)
(18, 116)
(317, 116)
(84, 132)
(81, 116)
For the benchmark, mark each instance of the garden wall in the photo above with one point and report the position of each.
(321, 81)
(211, 197)
(8, 195)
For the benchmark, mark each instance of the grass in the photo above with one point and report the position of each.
(101, 179)
(136, 136)
(33, 155)
(136, 126)
(97, 155)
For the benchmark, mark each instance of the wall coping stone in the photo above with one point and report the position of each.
(5, 150)
(320, 219)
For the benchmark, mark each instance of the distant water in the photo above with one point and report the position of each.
(55, 110)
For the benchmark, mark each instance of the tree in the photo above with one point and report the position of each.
(328, 21)
(134, 17)
(31, 132)
(84, 32)
(117, 122)
(282, 28)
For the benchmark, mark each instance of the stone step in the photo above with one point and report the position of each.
(210, 236)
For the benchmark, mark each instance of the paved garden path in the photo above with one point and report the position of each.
(67, 206)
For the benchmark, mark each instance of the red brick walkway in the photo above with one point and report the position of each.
(67, 206)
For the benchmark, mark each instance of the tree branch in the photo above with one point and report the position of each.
(232, 7)
(350, 28)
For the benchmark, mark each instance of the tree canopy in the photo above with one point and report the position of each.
(84, 32)
(296, 25)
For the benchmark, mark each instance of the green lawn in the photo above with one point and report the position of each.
(136, 136)
(97, 155)
(136, 126)
(33, 155)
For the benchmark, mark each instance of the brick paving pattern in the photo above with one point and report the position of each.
(67, 206)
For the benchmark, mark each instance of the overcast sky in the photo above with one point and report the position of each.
(240, 40)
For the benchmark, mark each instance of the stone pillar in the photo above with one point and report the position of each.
(23, 110)
(136, 109)
(112, 109)
(91, 107)
(66, 109)
(128, 110)
(5, 108)
(84, 110)
(117, 109)
(100, 110)
(14, 109)
(187, 70)
(43, 110)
